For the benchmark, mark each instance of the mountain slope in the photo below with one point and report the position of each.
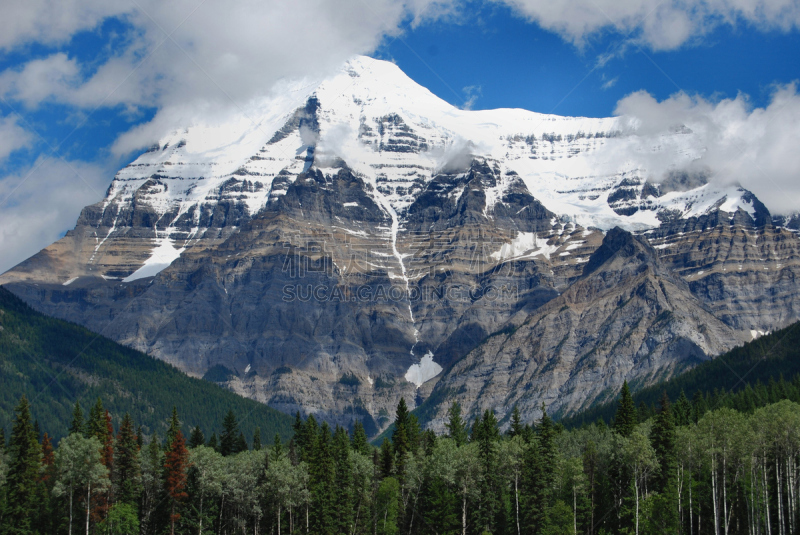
(362, 235)
(626, 318)
(764, 360)
(56, 363)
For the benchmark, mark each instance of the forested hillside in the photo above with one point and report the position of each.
(688, 469)
(759, 372)
(56, 363)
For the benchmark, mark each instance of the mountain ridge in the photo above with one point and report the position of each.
(363, 225)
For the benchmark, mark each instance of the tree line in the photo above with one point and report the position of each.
(687, 468)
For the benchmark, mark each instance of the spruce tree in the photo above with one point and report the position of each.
(241, 444)
(196, 439)
(257, 439)
(386, 459)
(277, 446)
(534, 495)
(487, 434)
(360, 442)
(108, 442)
(77, 425)
(174, 427)
(699, 406)
(516, 428)
(683, 409)
(228, 441)
(456, 428)
(23, 472)
(96, 425)
(126, 463)
(322, 472)
(625, 420)
(44, 520)
(343, 489)
(2, 440)
(176, 465)
(213, 443)
(662, 438)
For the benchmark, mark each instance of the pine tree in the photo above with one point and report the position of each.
(106, 438)
(662, 438)
(386, 459)
(43, 522)
(360, 442)
(108, 442)
(516, 428)
(277, 446)
(625, 420)
(241, 444)
(322, 472)
(534, 496)
(174, 427)
(343, 489)
(213, 443)
(126, 463)
(176, 465)
(456, 428)
(257, 439)
(23, 472)
(139, 438)
(487, 434)
(683, 409)
(196, 439)
(699, 406)
(590, 468)
(96, 425)
(77, 425)
(2, 440)
(230, 435)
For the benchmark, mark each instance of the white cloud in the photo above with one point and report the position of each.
(608, 84)
(733, 142)
(37, 205)
(53, 77)
(12, 137)
(471, 95)
(188, 56)
(659, 24)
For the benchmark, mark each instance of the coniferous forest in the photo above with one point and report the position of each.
(688, 468)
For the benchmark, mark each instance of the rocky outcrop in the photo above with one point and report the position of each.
(626, 318)
(318, 263)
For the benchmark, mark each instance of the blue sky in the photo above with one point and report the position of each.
(516, 64)
(85, 87)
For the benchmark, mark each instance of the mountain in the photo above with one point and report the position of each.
(357, 240)
(762, 366)
(56, 363)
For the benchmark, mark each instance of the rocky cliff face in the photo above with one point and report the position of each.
(379, 243)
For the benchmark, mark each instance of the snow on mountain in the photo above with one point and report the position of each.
(398, 135)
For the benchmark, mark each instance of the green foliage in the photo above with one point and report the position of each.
(386, 507)
(122, 519)
(456, 428)
(626, 418)
(658, 478)
(23, 470)
(55, 363)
